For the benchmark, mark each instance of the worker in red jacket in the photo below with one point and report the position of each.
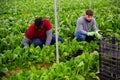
(40, 32)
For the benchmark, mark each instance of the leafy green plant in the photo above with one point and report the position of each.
(14, 24)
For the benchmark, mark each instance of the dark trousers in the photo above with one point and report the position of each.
(82, 37)
(38, 42)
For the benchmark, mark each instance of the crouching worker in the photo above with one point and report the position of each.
(39, 33)
(84, 24)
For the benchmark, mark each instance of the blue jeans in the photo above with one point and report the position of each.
(38, 42)
(83, 37)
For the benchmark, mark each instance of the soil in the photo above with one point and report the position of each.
(78, 52)
(46, 65)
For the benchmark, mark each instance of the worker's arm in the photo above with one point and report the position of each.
(28, 35)
(94, 27)
(48, 27)
(49, 37)
(26, 42)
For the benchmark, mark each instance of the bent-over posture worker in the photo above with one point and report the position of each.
(40, 32)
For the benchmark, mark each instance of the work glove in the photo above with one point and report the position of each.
(91, 33)
(98, 35)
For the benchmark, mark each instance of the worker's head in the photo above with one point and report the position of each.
(38, 23)
(89, 15)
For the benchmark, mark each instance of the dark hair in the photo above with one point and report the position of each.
(38, 22)
(89, 12)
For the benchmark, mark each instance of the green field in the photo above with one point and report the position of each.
(34, 63)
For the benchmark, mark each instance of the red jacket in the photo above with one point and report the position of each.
(32, 32)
